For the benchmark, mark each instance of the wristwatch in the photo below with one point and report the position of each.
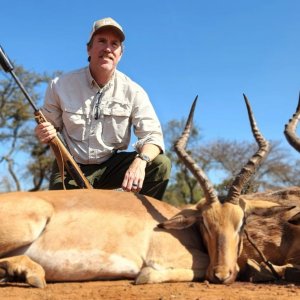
(143, 157)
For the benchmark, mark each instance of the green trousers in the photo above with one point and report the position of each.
(110, 174)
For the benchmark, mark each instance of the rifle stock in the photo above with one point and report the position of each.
(64, 158)
(62, 155)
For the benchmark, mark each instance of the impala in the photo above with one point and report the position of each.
(291, 234)
(79, 235)
(274, 252)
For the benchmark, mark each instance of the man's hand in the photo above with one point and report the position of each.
(135, 175)
(45, 132)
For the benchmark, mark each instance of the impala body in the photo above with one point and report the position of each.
(81, 235)
(91, 234)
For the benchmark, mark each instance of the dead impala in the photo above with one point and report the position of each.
(274, 252)
(79, 235)
(290, 242)
(291, 234)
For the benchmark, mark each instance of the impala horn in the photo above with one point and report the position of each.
(290, 129)
(251, 166)
(179, 146)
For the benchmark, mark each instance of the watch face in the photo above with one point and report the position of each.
(144, 157)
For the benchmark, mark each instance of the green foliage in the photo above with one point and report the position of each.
(19, 157)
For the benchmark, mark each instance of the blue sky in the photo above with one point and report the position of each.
(176, 50)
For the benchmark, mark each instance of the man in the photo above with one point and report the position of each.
(95, 109)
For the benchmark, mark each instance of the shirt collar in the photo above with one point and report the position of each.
(93, 83)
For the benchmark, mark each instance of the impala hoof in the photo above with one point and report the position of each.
(36, 281)
(22, 268)
(142, 279)
(145, 276)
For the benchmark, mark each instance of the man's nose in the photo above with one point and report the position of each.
(108, 48)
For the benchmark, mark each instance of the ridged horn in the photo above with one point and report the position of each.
(188, 161)
(256, 160)
(290, 129)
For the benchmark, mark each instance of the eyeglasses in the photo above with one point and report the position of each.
(97, 105)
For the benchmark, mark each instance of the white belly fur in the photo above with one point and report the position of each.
(78, 265)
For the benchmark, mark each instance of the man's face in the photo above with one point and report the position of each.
(106, 50)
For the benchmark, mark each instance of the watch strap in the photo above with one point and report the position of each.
(143, 157)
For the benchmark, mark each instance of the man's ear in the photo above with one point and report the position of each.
(88, 52)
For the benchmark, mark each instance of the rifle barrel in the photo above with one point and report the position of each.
(8, 67)
(21, 86)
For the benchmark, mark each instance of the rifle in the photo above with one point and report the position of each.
(63, 156)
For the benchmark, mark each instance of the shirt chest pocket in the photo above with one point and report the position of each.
(75, 122)
(116, 122)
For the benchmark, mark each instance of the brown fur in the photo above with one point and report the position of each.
(274, 236)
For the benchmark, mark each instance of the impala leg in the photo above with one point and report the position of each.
(22, 268)
(260, 272)
(151, 275)
(22, 222)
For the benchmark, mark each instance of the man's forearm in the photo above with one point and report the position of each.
(150, 150)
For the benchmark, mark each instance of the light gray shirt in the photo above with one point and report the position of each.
(94, 121)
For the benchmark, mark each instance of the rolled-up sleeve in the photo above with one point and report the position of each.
(145, 122)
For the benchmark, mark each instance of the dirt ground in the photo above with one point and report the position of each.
(124, 289)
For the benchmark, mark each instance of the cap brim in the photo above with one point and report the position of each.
(116, 29)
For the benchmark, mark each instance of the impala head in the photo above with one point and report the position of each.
(221, 223)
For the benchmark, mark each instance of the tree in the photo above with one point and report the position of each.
(21, 156)
(278, 170)
(183, 188)
(222, 160)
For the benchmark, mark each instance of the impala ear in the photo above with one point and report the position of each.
(295, 220)
(178, 222)
(263, 208)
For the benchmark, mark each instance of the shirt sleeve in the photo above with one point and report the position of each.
(51, 108)
(145, 122)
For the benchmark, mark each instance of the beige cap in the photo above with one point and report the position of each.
(107, 22)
